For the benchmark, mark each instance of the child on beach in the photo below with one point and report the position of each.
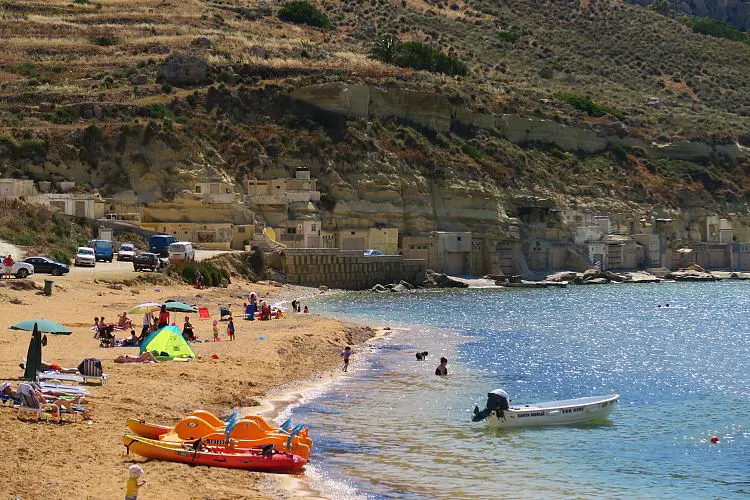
(345, 354)
(131, 491)
(230, 329)
(216, 330)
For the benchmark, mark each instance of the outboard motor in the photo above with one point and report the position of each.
(497, 401)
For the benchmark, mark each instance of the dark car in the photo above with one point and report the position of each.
(47, 265)
(149, 261)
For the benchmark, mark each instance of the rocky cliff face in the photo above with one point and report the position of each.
(735, 12)
(435, 112)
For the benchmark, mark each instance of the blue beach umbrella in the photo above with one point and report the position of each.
(44, 325)
(175, 306)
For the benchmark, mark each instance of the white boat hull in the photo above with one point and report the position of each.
(571, 411)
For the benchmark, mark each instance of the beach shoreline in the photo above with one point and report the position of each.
(86, 459)
(279, 401)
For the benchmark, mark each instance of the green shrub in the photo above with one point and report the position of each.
(26, 148)
(471, 151)
(156, 110)
(587, 105)
(421, 56)
(510, 36)
(23, 239)
(60, 255)
(387, 49)
(26, 69)
(66, 115)
(719, 29)
(105, 40)
(662, 7)
(81, 2)
(212, 275)
(301, 12)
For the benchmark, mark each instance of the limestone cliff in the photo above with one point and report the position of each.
(436, 112)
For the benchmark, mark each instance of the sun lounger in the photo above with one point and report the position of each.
(60, 377)
(31, 402)
(57, 378)
(63, 390)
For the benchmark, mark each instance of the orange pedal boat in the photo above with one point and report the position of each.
(266, 459)
(244, 433)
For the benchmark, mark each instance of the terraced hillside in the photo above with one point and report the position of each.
(149, 95)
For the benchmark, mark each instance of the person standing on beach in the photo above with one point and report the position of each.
(163, 316)
(442, 369)
(216, 330)
(230, 329)
(8, 265)
(345, 354)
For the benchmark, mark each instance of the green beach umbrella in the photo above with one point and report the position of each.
(175, 306)
(34, 355)
(44, 325)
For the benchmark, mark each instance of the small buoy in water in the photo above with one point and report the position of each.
(262, 337)
(714, 439)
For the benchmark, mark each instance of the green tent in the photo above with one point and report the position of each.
(167, 340)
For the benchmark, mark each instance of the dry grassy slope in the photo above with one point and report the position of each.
(68, 103)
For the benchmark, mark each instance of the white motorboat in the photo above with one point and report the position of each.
(499, 412)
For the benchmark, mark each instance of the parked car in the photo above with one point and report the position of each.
(47, 265)
(85, 256)
(126, 252)
(21, 270)
(103, 249)
(181, 250)
(159, 244)
(148, 260)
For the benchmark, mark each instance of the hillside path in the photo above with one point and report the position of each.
(7, 248)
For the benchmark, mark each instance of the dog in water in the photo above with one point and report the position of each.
(421, 356)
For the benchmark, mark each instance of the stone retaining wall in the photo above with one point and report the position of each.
(349, 270)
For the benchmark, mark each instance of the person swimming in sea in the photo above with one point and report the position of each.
(442, 369)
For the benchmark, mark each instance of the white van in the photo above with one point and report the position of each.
(181, 250)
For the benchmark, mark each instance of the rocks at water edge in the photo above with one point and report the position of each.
(431, 279)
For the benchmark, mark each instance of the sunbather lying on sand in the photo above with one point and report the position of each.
(146, 357)
(50, 367)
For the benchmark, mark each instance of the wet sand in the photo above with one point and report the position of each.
(87, 459)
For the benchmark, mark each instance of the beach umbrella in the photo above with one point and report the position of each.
(145, 308)
(34, 355)
(175, 306)
(44, 325)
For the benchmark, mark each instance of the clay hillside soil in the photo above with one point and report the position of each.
(87, 460)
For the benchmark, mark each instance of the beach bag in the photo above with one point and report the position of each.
(91, 367)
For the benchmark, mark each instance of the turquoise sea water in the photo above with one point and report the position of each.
(391, 429)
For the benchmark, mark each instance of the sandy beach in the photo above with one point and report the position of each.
(86, 459)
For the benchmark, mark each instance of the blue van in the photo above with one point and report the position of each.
(103, 249)
(159, 244)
